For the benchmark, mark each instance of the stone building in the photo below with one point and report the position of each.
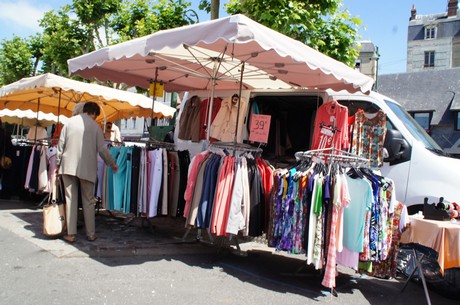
(433, 41)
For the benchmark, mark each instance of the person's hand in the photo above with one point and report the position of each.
(114, 167)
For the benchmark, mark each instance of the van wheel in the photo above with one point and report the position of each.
(450, 285)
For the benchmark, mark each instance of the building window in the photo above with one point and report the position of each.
(457, 120)
(358, 65)
(429, 59)
(423, 119)
(430, 32)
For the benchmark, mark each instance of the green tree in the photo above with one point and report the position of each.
(94, 16)
(321, 24)
(211, 7)
(139, 18)
(100, 23)
(16, 60)
(63, 38)
(36, 48)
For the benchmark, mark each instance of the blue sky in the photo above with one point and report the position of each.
(384, 23)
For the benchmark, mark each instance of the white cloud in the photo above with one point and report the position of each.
(22, 15)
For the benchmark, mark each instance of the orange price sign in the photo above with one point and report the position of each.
(259, 128)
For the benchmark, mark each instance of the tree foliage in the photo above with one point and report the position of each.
(139, 18)
(63, 38)
(87, 25)
(15, 60)
(321, 24)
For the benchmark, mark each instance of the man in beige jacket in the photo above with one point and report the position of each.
(80, 141)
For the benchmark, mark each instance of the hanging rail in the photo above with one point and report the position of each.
(235, 147)
(332, 154)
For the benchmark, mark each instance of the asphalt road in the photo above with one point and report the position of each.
(133, 263)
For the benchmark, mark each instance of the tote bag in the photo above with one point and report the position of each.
(54, 223)
(53, 219)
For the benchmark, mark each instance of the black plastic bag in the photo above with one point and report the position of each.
(447, 285)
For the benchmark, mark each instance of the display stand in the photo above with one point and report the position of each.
(418, 266)
(234, 147)
(199, 237)
(335, 155)
(145, 221)
(230, 148)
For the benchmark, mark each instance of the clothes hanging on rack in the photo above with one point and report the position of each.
(204, 113)
(37, 179)
(331, 126)
(37, 132)
(189, 124)
(224, 126)
(225, 192)
(387, 268)
(14, 179)
(369, 130)
(142, 185)
(332, 217)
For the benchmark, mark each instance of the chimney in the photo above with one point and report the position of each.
(413, 12)
(452, 8)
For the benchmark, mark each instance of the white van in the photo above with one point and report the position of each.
(415, 162)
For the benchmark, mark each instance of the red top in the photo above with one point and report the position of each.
(331, 126)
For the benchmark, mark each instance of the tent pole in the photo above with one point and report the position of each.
(239, 103)
(59, 106)
(211, 102)
(217, 63)
(153, 96)
(37, 123)
(103, 112)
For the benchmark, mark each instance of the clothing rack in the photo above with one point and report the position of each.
(235, 147)
(145, 220)
(154, 144)
(114, 143)
(158, 144)
(332, 154)
(45, 142)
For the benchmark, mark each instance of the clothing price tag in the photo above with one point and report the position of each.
(259, 128)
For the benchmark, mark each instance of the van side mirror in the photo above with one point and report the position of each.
(397, 147)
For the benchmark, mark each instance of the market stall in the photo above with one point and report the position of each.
(58, 95)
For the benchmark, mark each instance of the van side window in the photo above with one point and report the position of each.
(354, 105)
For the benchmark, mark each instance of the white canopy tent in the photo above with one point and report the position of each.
(218, 54)
(29, 118)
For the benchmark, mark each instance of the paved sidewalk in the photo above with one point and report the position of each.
(124, 239)
(118, 235)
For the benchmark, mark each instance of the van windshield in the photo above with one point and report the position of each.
(414, 128)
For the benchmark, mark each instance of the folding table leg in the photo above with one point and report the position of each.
(418, 265)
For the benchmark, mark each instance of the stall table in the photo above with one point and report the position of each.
(441, 236)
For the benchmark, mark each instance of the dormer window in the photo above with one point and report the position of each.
(430, 32)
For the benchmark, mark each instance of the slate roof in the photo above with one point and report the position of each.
(435, 90)
(367, 46)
